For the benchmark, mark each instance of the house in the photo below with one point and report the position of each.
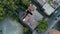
(32, 20)
(35, 13)
(48, 9)
(54, 31)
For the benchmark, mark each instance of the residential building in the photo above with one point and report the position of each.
(48, 9)
(32, 20)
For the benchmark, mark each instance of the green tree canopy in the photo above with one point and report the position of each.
(42, 26)
(2, 13)
(9, 7)
(26, 2)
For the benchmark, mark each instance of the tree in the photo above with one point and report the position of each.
(26, 31)
(26, 2)
(9, 7)
(42, 26)
(2, 13)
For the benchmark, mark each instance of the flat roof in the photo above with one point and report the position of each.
(48, 9)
